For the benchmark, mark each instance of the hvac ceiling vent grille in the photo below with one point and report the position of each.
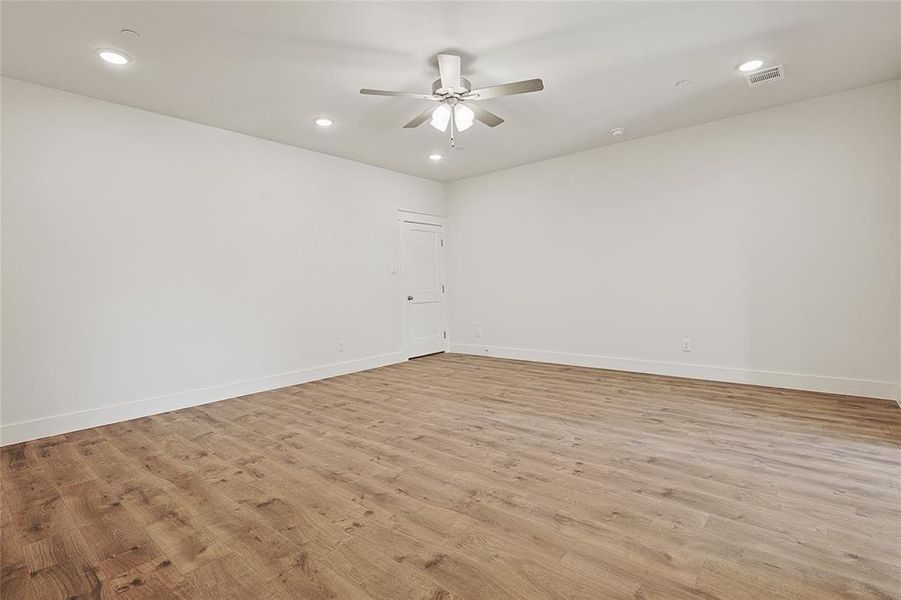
(765, 76)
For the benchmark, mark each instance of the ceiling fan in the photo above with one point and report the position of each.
(456, 99)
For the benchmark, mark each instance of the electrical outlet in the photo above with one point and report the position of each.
(342, 346)
(686, 345)
(478, 332)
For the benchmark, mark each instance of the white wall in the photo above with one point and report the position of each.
(151, 263)
(769, 239)
(161, 263)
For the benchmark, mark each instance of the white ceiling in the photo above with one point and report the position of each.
(267, 69)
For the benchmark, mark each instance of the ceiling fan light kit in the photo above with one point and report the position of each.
(456, 98)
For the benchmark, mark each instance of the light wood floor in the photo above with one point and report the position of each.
(467, 477)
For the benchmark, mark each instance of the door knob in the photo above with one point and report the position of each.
(409, 297)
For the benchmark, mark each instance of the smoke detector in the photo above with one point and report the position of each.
(765, 76)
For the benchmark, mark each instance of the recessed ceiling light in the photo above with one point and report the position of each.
(323, 122)
(617, 131)
(113, 57)
(751, 65)
(435, 157)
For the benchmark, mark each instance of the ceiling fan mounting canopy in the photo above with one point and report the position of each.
(457, 101)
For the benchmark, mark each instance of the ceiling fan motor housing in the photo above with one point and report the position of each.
(464, 83)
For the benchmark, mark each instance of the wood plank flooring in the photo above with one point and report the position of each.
(467, 477)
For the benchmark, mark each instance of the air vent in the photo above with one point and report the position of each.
(765, 76)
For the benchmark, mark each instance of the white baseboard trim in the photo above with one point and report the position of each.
(12, 433)
(814, 383)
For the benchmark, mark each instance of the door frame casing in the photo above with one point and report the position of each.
(407, 216)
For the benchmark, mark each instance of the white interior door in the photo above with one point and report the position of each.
(422, 246)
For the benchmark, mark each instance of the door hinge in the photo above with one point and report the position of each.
(445, 335)
(442, 242)
(442, 288)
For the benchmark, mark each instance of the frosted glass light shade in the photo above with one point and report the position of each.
(463, 117)
(441, 117)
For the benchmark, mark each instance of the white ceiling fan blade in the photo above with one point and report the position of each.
(506, 89)
(449, 68)
(420, 118)
(488, 118)
(368, 92)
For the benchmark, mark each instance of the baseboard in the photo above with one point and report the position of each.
(797, 381)
(29, 430)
